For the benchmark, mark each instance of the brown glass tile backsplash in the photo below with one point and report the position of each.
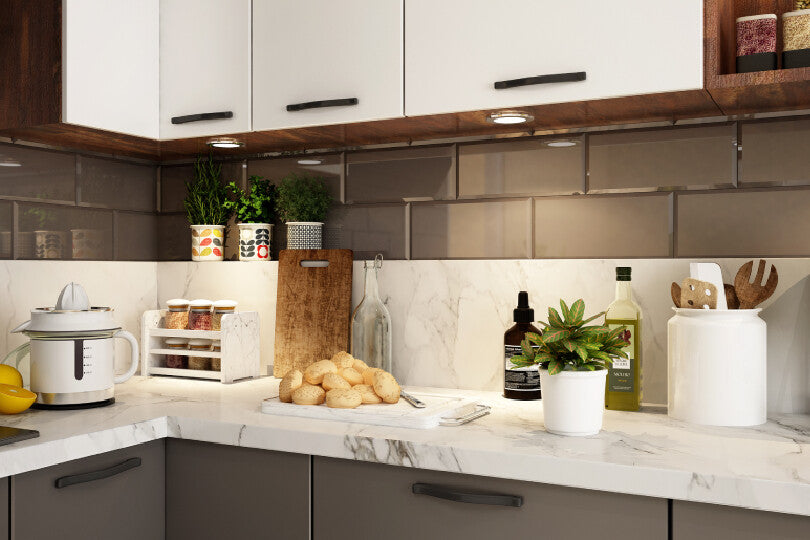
(521, 168)
(702, 190)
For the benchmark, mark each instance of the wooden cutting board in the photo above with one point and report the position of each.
(313, 307)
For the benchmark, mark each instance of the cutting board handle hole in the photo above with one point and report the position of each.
(314, 263)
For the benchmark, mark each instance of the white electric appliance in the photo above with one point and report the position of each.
(72, 352)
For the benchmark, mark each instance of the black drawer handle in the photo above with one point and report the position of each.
(202, 116)
(320, 104)
(541, 79)
(124, 466)
(441, 492)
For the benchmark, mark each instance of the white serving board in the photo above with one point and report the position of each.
(401, 414)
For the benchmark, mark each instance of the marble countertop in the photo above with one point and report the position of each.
(647, 453)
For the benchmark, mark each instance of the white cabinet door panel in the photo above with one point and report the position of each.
(457, 49)
(204, 66)
(110, 65)
(323, 50)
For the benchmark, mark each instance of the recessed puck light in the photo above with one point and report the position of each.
(224, 142)
(561, 143)
(509, 117)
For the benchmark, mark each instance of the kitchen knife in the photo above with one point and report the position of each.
(412, 400)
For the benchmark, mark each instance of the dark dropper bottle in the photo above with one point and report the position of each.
(520, 383)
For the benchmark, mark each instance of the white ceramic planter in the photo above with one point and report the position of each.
(254, 241)
(207, 242)
(573, 401)
(717, 367)
(50, 244)
(304, 235)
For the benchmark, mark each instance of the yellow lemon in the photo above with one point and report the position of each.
(9, 375)
(14, 399)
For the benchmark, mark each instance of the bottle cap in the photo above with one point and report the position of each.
(623, 273)
(523, 313)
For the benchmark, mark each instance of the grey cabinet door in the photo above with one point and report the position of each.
(220, 492)
(116, 495)
(4, 504)
(354, 500)
(695, 521)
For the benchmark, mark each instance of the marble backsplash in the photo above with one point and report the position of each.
(448, 316)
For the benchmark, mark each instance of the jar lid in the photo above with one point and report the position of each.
(216, 343)
(200, 303)
(177, 302)
(225, 304)
(175, 342)
(796, 13)
(756, 17)
(199, 343)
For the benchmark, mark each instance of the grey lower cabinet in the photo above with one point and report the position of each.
(696, 521)
(220, 492)
(116, 495)
(4, 504)
(352, 500)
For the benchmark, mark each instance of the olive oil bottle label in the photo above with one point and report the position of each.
(622, 374)
(526, 379)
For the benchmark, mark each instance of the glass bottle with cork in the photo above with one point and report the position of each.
(623, 389)
(520, 382)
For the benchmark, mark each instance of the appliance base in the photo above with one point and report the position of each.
(62, 400)
(72, 406)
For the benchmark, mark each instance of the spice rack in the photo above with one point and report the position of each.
(239, 337)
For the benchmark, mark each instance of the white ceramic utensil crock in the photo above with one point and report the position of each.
(72, 352)
(717, 367)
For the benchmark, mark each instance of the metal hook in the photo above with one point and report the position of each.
(378, 260)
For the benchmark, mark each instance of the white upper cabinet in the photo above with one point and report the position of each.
(551, 51)
(110, 65)
(319, 62)
(204, 67)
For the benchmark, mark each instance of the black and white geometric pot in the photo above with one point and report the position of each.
(254, 241)
(304, 235)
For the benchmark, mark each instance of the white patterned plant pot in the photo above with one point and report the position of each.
(254, 241)
(50, 244)
(207, 242)
(304, 235)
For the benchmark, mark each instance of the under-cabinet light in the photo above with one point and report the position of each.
(561, 143)
(509, 117)
(310, 161)
(224, 142)
(9, 162)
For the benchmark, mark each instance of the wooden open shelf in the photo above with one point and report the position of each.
(740, 93)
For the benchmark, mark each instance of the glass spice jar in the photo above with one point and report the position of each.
(222, 307)
(199, 362)
(216, 363)
(177, 315)
(199, 316)
(177, 361)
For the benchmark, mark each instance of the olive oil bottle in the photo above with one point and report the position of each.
(623, 389)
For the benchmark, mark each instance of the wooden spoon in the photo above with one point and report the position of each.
(753, 294)
(675, 291)
(731, 296)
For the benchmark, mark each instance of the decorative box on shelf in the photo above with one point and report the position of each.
(240, 355)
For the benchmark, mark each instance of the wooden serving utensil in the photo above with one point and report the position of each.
(753, 294)
(697, 294)
(675, 291)
(731, 296)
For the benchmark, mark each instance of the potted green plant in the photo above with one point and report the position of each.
(573, 360)
(254, 209)
(206, 205)
(302, 204)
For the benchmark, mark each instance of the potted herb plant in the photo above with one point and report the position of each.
(255, 210)
(573, 360)
(302, 204)
(206, 205)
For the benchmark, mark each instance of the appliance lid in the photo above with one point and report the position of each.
(73, 313)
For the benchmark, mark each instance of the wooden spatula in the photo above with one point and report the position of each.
(675, 291)
(753, 294)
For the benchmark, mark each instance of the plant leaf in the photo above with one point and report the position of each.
(582, 351)
(568, 344)
(554, 367)
(577, 311)
(554, 317)
(528, 351)
(556, 334)
(566, 313)
(594, 317)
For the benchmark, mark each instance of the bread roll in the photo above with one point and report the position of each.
(368, 375)
(307, 394)
(315, 372)
(352, 376)
(342, 398)
(386, 386)
(342, 359)
(359, 365)
(291, 381)
(333, 380)
(367, 394)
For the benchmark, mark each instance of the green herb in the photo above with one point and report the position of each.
(206, 202)
(567, 343)
(257, 204)
(302, 198)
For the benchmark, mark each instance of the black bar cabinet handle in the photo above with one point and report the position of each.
(199, 117)
(441, 492)
(124, 466)
(320, 104)
(541, 79)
